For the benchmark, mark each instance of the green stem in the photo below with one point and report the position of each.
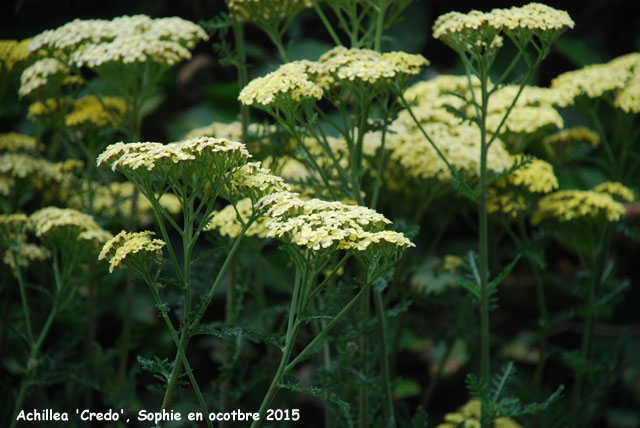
(379, 24)
(23, 298)
(181, 350)
(389, 415)
(241, 66)
(363, 393)
(326, 23)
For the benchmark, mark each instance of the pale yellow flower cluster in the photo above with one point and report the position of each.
(469, 416)
(230, 131)
(89, 110)
(341, 65)
(254, 181)
(287, 85)
(572, 136)
(117, 198)
(39, 74)
(226, 220)
(480, 31)
(315, 224)
(616, 190)
(187, 154)
(13, 52)
(628, 97)
(132, 250)
(459, 144)
(19, 167)
(126, 39)
(507, 195)
(266, 10)
(45, 108)
(576, 205)
(526, 120)
(48, 222)
(27, 254)
(15, 142)
(592, 81)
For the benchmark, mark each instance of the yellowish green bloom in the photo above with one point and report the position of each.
(577, 205)
(90, 110)
(15, 142)
(64, 225)
(469, 416)
(132, 250)
(266, 10)
(617, 191)
(13, 52)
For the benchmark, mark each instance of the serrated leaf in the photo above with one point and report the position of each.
(231, 333)
(160, 369)
(494, 283)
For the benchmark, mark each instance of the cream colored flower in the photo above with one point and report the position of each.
(132, 250)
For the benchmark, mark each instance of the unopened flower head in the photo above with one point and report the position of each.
(226, 220)
(577, 205)
(63, 226)
(132, 250)
(15, 142)
(284, 87)
(99, 112)
(616, 190)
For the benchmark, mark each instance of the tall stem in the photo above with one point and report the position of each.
(389, 415)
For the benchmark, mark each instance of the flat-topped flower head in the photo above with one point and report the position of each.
(64, 226)
(197, 153)
(480, 32)
(26, 253)
(592, 81)
(341, 66)
(568, 206)
(226, 220)
(92, 111)
(254, 181)
(46, 73)
(22, 168)
(318, 225)
(285, 87)
(616, 190)
(513, 194)
(127, 39)
(15, 142)
(137, 251)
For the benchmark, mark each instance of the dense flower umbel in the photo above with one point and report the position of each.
(15, 142)
(287, 85)
(341, 65)
(577, 205)
(60, 224)
(315, 224)
(27, 253)
(469, 416)
(40, 73)
(132, 250)
(459, 144)
(478, 32)
(90, 110)
(19, 167)
(592, 81)
(617, 191)
(126, 39)
(255, 182)
(129, 157)
(511, 195)
(226, 220)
